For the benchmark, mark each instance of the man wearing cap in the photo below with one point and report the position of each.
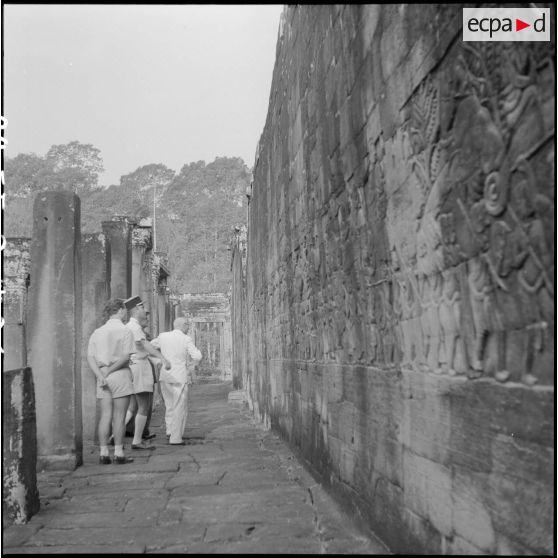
(142, 375)
(178, 348)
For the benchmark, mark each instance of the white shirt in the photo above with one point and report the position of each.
(110, 342)
(179, 349)
(139, 335)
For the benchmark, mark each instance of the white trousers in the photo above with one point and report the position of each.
(175, 397)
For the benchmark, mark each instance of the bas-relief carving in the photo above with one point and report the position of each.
(472, 136)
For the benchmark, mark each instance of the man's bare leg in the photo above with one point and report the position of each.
(120, 406)
(104, 425)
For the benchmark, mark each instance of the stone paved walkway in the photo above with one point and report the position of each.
(233, 489)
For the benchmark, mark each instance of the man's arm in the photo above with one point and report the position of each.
(117, 365)
(192, 350)
(151, 350)
(96, 370)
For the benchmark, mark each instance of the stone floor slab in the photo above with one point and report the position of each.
(74, 549)
(16, 535)
(236, 489)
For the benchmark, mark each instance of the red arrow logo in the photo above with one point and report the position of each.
(519, 25)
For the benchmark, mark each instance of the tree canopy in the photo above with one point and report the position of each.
(196, 208)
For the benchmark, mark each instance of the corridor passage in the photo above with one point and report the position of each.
(234, 488)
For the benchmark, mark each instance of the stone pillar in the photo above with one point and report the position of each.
(161, 309)
(20, 499)
(169, 313)
(95, 296)
(147, 291)
(54, 328)
(141, 243)
(118, 234)
(179, 311)
(155, 274)
(16, 280)
(226, 350)
(193, 331)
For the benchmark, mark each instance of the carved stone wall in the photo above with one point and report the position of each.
(17, 268)
(400, 273)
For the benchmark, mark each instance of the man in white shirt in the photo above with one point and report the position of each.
(179, 349)
(108, 354)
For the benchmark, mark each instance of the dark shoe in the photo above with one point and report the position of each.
(104, 460)
(148, 437)
(142, 446)
(122, 460)
(183, 443)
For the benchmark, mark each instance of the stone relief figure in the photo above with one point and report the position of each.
(486, 317)
(429, 279)
(390, 349)
(450, 321)
(533, 251)
(497, 118)
(518, 97)
(528, 252)
(400, 323)
(405, 310)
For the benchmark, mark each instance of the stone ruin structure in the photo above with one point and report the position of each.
(211, 332)
(56, 286)
(240, 376)
(393, 311)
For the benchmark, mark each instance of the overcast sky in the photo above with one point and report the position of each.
(143, 83)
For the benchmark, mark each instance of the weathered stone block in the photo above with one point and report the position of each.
(118, 238)
(16, 261)
(94, 297)
(20, 498)
(54, 329)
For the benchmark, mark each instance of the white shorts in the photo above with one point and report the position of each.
(142, 375)
(119, 384)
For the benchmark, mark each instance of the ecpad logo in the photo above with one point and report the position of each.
(506, 24)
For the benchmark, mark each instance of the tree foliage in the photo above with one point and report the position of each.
(76, 165)
(196, 208)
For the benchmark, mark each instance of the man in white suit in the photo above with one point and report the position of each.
(179, 349)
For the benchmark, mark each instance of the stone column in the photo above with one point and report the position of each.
(169, 313)
(16, 280)
(118, 234)
(141, 242)
(226, 354)
(147, 292)
(95, 296)
(155, 278)
(20, 499)
(161, 309)
(54, 328)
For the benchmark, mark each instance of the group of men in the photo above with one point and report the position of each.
(121, 357)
